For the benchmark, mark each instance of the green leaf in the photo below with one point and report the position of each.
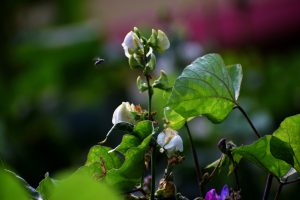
(30, 190)
(143, 128)
(174, 120)
(131, 171)
(122, 126)
(80, 186)
(260, 154)
(236, 75)
(162, 82)
(282, 150)
(46, 186)
(142, 86)
(206, 88)
(289, 132)
(128, 141)
(99, 160)
(11, 188)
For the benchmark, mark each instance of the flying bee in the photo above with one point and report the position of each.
(98, 61)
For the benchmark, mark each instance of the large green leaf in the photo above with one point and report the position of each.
(130, 173)
(11, 188)
(289, 131)
(30, 190)
(207, 87)
(80, 186)
(282, 150)
(46, 187)
(259, 153)
(99, 160)
(128, 141)
(174, 120)
(143, 128)
(105, 163)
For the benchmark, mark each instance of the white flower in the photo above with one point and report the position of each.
(170, 141)
(131, 43)
(163, 42)
(124, 113)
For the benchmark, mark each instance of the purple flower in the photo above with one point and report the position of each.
(213, 195)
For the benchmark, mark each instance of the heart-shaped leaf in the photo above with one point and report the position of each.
(206, 87)
(289, 132)
(259, 153)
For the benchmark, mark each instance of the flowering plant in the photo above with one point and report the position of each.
(205, 88)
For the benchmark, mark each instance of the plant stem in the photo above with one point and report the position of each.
(196, 162)
(248, 119)
(150, 93)
(268, 186)
(278, 191)
(153, 171)
(292, 181)
(270, 176)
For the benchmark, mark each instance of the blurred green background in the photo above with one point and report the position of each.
(55, 104)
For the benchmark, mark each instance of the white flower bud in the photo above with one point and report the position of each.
(170, 141)
(124, 113)
(163, 42)
(131, 43)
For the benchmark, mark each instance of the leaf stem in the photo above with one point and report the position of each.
(196, 162)
(268, 186)
(248, 119)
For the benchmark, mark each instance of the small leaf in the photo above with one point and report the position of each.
(143, 129)
(162, 82)
(128, 141)
(206, 88)
(289, 131)
(142, 86)
(260, 154)
(46, 187)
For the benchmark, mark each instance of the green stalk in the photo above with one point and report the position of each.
(196, 162)
(150, 93)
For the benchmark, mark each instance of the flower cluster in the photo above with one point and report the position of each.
(139, 50)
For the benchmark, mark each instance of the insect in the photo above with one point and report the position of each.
(98, 61)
